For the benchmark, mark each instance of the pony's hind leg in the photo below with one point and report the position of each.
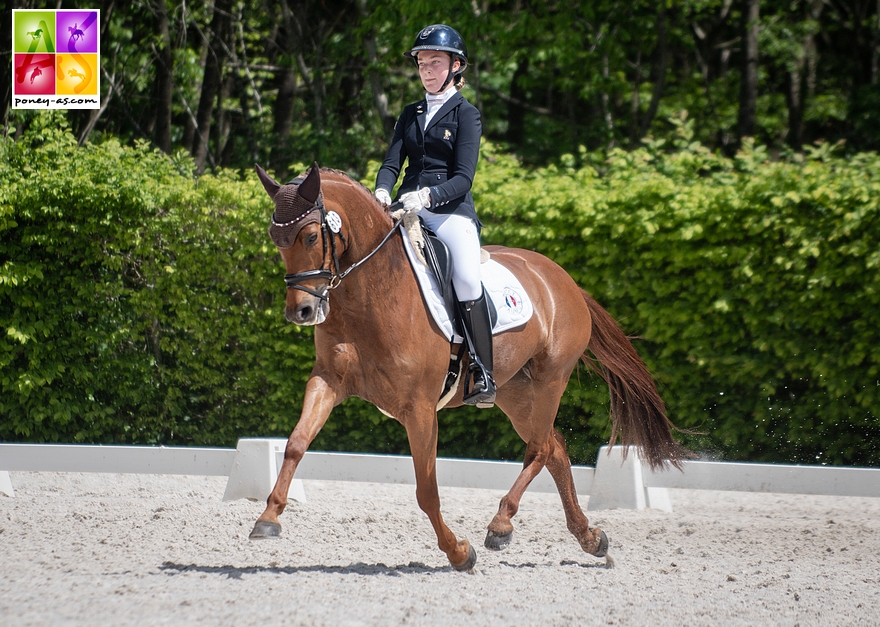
(593, 541)
(531, 409)
(500, 533)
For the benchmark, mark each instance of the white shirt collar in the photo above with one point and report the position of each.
(440, 99)
(435, 102)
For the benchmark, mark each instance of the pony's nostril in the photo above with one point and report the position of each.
(304, 313)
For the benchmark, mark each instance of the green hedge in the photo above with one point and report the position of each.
(139, 305)
(752, 282)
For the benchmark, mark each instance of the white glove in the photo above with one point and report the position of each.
(416, 201)
(383, 196)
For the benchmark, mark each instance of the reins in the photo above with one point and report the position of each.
(330, 222)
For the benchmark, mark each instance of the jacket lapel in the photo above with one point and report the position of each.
(421, 113)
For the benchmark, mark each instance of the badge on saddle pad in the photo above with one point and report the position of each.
(334, 222)
(513, 301)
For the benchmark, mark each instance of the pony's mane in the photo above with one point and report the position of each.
(345, 178)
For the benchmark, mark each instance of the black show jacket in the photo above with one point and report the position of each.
(443, 157)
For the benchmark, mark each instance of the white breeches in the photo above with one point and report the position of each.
(459, 233)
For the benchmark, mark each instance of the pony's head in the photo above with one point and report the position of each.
(306, 236)
(315, 239)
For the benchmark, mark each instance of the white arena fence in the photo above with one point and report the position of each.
(615, 482)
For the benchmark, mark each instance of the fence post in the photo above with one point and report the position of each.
(255, 469)
(6, 484)
(618, 483)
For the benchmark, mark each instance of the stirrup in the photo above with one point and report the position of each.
(483, 398)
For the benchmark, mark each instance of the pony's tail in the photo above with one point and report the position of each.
(638, 414)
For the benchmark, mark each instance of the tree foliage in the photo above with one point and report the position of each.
(283, 82)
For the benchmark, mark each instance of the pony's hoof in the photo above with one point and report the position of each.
(469, 562)
(602, 549)
(497, 541)
(265, 530)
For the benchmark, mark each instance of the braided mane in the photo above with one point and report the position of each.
(357, 184)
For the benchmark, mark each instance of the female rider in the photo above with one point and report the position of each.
(440, 139)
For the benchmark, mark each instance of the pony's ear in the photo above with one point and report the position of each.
(310, 188)
(268, 182)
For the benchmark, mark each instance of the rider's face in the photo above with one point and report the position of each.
(434, 69)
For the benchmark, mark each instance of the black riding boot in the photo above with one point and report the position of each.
(478, 334)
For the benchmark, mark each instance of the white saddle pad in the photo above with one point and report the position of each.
(513, 305)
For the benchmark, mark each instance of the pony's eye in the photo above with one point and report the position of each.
(311, 239)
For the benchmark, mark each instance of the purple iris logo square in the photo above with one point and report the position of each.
(76, 31)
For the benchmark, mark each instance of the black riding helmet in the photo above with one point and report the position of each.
(444, 39)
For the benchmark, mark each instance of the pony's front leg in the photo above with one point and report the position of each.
(423, 445)
(318, 402)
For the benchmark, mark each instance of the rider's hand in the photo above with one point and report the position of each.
(416, 201)
(383, 196)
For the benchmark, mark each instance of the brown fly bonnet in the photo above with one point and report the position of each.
(296, 205)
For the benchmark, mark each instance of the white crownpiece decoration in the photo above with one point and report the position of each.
(334, 222)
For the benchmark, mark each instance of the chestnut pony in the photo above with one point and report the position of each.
(348, 274)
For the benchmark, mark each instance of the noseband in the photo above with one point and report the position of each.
(331, 224)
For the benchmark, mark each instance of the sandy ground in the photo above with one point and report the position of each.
(91, 549)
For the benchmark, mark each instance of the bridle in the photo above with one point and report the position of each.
(331, 226)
